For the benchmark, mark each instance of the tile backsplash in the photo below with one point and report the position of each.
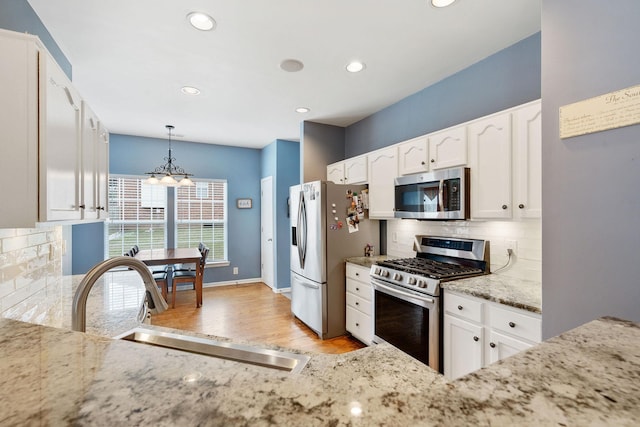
(526, 236)
(29, 260)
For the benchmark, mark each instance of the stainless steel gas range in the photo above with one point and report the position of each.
(407, 303)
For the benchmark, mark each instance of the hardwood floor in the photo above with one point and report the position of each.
(251, 312)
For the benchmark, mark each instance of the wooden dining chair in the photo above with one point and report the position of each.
(160, 276)
(190, 276)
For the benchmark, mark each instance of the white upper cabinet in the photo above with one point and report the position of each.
(335, 172)
(383, 169)
(448, 148)
(490, 162)
(355, 170)
(42, 137)
(527, 147)
(103, 172)
(413, 156)
(89, 132)
(60, 107)
(19, 124)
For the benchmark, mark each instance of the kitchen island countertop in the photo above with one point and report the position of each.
(51, 376)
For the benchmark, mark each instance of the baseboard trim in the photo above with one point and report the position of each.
(282, 290)
(232, 282)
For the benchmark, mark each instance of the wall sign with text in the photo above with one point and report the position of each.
(608, 111)
(243, 203)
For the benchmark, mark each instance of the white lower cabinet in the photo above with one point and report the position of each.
(479, 332)
(359, 300)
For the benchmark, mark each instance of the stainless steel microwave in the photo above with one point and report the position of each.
(439, 195)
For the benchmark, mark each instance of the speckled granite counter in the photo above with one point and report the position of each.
(367, 261)
(524, 294)
(588, 376)
(113, 304)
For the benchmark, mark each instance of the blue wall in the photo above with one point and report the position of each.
(133, 155)
(506, 79)
(281, 160)
(591, 204)
(17, 15)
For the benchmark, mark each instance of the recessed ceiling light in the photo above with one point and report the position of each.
(201, 21)
(291, 65)
(355, 66)
(302, 110)
(441, 3)
(190, 90)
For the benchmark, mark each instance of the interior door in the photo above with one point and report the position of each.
(266, 230)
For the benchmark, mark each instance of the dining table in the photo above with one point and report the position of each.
(166, 256)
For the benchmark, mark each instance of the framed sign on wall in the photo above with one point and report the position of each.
(243, 203)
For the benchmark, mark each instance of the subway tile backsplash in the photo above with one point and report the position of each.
(526, 236)
(29, 260)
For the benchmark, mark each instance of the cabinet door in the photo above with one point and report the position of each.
(528, 161)
(103, 172)
(490, 162)
(59, 145)
(335, 173)
(360, 325)
(383, 169)
(19, 118)
(463, 344)
(501, 346)
(355, 170)
(413, 155)
(89, 176)
(448, 148)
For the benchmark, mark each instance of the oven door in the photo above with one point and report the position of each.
(410, 321)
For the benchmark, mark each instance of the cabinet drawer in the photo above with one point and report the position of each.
(363, 290)
(519, 324)
(358, 273)
(359, 325)
(464, 307)
(358, 303)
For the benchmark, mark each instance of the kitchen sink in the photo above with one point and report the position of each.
(280, 360)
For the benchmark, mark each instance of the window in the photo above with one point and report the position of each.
(201, 216)
(137, 215)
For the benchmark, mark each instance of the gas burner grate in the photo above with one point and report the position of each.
(431, 268)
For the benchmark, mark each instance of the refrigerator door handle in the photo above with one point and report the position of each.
(302, 230)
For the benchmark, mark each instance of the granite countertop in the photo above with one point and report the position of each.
(52, 376)
(367, 261)
(518, 293)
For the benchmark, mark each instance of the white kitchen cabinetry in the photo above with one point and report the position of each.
(349, 171)
(383, 169)
(60, 107)
(359, 299)
(95, 164)
(335, 172)
(527, 147)
(41, 137)
(448, 148)
(413, 156)
(103, 172)
(490, 162)
(478, 332)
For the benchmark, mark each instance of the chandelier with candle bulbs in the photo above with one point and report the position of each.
(169, 171)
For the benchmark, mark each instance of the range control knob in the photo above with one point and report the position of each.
(384, 273)
(397, 277)
(412, 280)
(376, 271)
(422, 284)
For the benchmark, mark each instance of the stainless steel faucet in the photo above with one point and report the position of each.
(154, 299)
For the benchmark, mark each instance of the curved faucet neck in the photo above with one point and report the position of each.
(79, 308)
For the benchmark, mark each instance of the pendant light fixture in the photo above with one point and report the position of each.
(169, 171)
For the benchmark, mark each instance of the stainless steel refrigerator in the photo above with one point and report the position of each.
(322, 236)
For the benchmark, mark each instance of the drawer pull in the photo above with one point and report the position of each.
(492, 345)
(357, 274)
(512, 325)
(459, 307)
(357, 303)
(476, 339)
(357, 289)
(357, 324)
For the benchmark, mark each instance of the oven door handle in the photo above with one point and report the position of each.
(400, 294)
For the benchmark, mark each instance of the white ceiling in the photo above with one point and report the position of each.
(131, 57)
